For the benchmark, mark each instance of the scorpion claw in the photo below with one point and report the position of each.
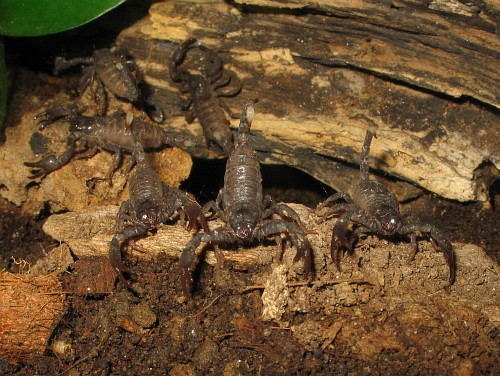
(195, 215)
(444, 245)
(44, 166)
(339, 242)
(304, 252)
(117, 263)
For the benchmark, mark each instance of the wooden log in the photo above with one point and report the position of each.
(89, 232)
(325, 73)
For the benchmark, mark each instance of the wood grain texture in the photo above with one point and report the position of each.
(323, 74)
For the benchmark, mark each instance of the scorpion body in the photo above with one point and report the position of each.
(111, 70)
(151, 203)
(247, 214)
(373, 208)
(205, 101)
(110, 133)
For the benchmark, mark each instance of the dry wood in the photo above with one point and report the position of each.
(89, 232)
(324, 73)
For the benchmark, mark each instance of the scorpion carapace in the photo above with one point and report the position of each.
(151, 203)
(248, 215)
(112, 133)
(115, 72)
(373, 208)
(205, 101)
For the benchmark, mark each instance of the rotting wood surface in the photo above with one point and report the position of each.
(324, 73)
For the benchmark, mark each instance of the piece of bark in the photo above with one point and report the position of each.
(89, 232)
(30, 308)
(313, 116)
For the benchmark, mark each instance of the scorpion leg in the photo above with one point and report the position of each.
(284, 211)
(335, 197)
(219, 235)
(190, 114)
(215, 206)
(177, 59)
(231, 92)
(228, 110)
(115, 250)
(339, 237)
(123, 215)
(116, 162)
(178, 199)
(61, 63)
(84, 152)
(299, 240)
(153, 110)
(223, 80)
(54, 114)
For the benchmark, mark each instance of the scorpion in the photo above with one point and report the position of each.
(240, 204)
(205, 102)
(110, 133)
(373, 208)
(113, 70)
(151, 203)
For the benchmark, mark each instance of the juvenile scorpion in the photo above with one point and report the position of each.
(205, 102)
(110, 133)
(247, 214)
(373, 208)
(151, 203)
(114, 71)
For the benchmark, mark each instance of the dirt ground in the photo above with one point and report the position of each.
(379, 315)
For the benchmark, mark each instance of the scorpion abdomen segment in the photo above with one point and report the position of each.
(145, 187)
(372, 195)
(214, 123)
(115, 75)
(242, 182)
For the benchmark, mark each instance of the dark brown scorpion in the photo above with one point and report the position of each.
(247, 214)
(114, 71)
(374, 209)
(110, 133)
(205, 102)
(151, 203)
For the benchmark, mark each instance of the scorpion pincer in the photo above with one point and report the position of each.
(247, 214)
(152, 202)
(373, 208)
(111, 133)
(205, 102)
(114, 71)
